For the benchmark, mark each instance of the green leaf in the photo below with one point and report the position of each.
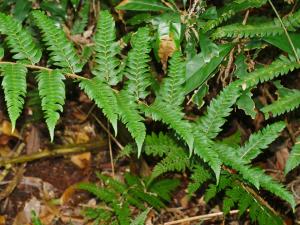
(22, 8)
(294, 157)
(198, 71)
(141, 218)
(52, 94)
(14, 85)
(260, 140)
(131, 118)
(141, 5)
(281, 42)
(246, 104)
(104, 97)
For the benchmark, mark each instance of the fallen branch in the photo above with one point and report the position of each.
(74, 149)
(202, 217)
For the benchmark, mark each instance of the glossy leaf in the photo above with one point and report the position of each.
(142, 5)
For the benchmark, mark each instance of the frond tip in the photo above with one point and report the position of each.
(52, 93)
(14, 85)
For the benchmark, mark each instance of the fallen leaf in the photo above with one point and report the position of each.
(166, 49)
(67, 195)
(2, 220)
(281, 158)
(81, 160)
(6, 129)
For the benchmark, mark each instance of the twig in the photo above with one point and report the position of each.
(107, 131)
(285, 31)
(202, 217)
(55, 152)
(71, 75)
(110, 153)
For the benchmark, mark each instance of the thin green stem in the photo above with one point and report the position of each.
(285, 31)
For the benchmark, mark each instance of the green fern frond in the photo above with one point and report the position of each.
(230, 10)
(253, 175)
(161, 111)
(101, 193)
(175, 160)
(294, 157)
(137, 70)
(104, 97)
(171, 90)
(141, 218)
(265, 29)
(131, 118)
(52, 92)
(199, 177)
(159, 145)
(259, 30)
(163, 188)
(106, 50)
(14, 85)
(203, 147)
(19, 40)
(284, 104)
(62, 51)
(277, 68)
(82, 19)
(260, 141)
(122, 211)
(210, 124)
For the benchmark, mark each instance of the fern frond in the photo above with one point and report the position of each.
(260, 141)
(159, 145)
(199, 177)
(14, 85)
(141, 218)
(284, 104)
(210, 124)
(137, 70)
(253, 175)
(104, 97)
(203, 147)
(62, 51)
(131, 118)
(82, 19)
(101, 193)
(106, 50)
(162, 111)
(171, 90)
(163, 188)
(270, 28)
(246, 200)
(175, 160)
(230, 10)
(122, 211)
(52, 92)
(294, 157)
(19, 40)
(277, 68)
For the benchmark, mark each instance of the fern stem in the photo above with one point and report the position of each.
(285, 31)
(71, 75)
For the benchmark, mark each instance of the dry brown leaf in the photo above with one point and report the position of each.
(166, 49)
(81, 160)
(281, 158)
(2, 220)
(67, 195)
(33, 142)
(24, 216)
(6, 129)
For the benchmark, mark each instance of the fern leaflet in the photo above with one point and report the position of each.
(260, 141)
(284, 104)
(52, 92)
(62, 51)
(131, 118)
(171, 90)
(199, 177)
(161, 111)
(19, 40)
(137, 70)
(106, 50)
(104, 97)
(14, 85)
(294, 157)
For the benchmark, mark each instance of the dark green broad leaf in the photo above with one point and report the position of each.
(22, 9)
(246, 104)
(281, 42)
(199, 70)
(142, 5)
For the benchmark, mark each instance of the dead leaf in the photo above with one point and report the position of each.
(166, 49)
(33, 142)
(67, 195)
(7, 129)
(281, 158)
(81, 160)
(24, 216)
(2, 220)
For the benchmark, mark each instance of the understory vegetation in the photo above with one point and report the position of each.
(205, 90)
